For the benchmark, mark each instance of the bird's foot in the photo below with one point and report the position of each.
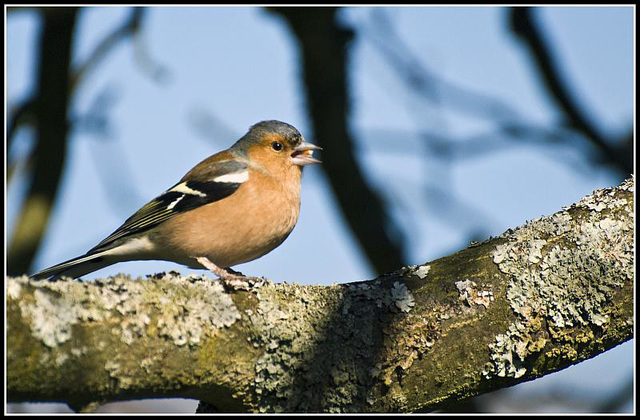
(231, 278)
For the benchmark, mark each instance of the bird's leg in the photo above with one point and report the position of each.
(230, 277)
(220, 272)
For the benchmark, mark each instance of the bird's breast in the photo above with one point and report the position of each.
(254, 220)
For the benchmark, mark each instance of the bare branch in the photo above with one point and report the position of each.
(324, 54)
(127, 29)
(50, 105)
(422, 81)
(22, 114)
(523, 24)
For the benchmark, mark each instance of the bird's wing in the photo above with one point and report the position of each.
(213, 181)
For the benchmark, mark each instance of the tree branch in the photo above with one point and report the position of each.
(324, 59)
(524, 26)
(127, 29)
(535, 300)
(49, 109)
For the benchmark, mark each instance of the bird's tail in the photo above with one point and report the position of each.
(74, 267)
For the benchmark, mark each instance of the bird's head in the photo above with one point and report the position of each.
(274, 144)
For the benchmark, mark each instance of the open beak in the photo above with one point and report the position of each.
(303, 154)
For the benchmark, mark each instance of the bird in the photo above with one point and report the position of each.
(233, 207)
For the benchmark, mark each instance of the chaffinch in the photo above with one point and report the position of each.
(232, 207)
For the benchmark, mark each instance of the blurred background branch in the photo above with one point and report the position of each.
(112, 40)
(47, 111)
(324, 55)
(615, 152)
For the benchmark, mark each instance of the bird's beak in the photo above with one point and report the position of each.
(303, 154)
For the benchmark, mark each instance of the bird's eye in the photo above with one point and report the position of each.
(277, 146)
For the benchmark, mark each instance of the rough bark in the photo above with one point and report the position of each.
(537, 299)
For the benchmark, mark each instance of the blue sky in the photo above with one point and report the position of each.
(229, 67)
